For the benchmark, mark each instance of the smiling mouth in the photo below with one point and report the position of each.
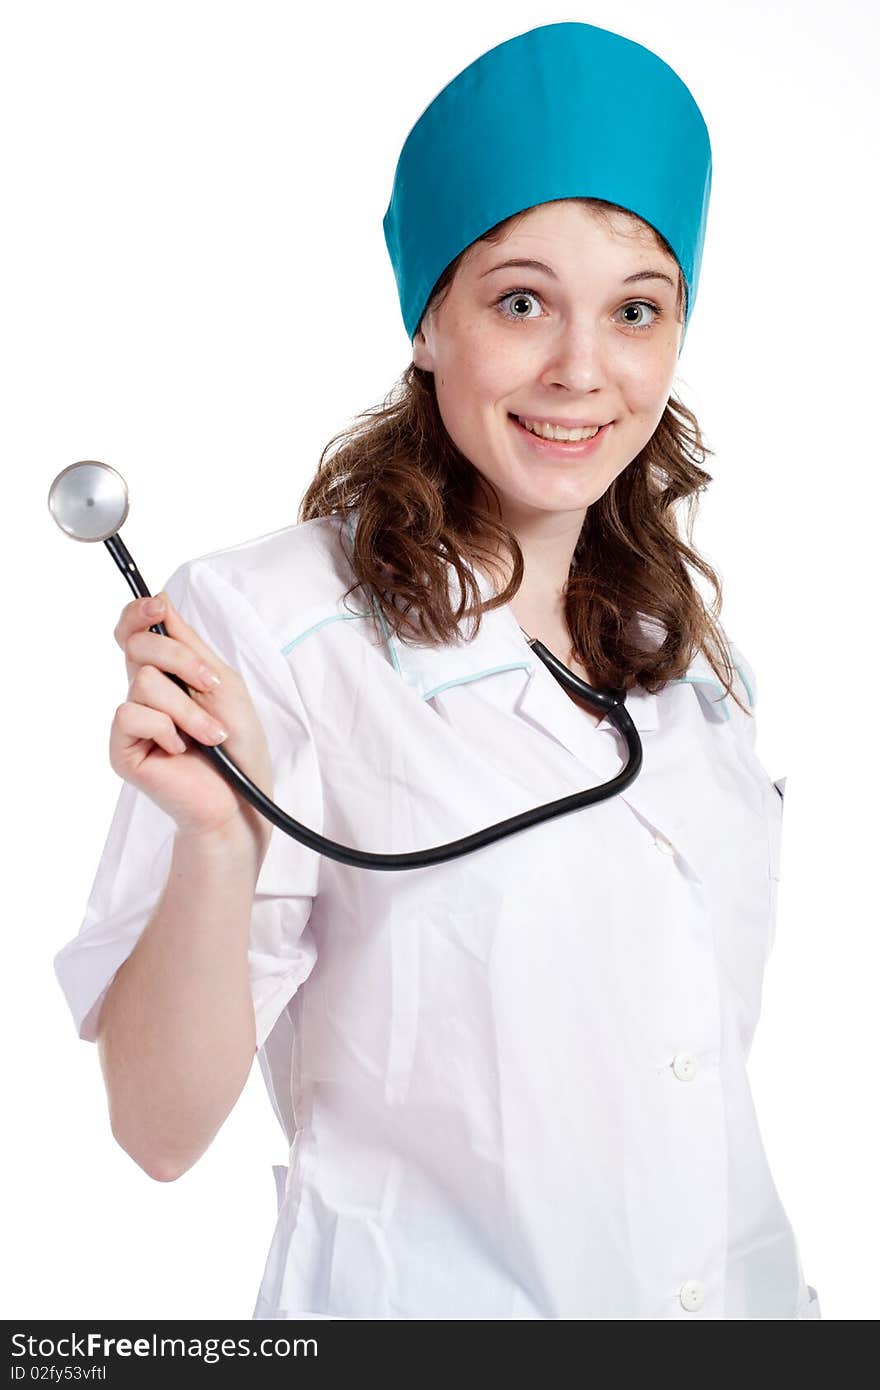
(521, 420)
(575, 447)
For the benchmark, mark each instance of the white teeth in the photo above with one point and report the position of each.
(556, 431)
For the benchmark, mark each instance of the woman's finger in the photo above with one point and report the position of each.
(135, 618)
(152, 687)
(134, 723)
(168, 654)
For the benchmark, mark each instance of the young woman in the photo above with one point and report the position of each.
(514, 1083)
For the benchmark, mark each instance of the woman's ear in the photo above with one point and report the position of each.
(421, 354)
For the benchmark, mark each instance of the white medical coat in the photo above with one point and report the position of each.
(513, 1084)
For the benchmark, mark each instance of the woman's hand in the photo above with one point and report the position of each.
(146, 748)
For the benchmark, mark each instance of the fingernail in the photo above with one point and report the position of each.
(154, 607)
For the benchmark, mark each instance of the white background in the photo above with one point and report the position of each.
(195, 289)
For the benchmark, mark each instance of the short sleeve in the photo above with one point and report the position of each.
(136, 857)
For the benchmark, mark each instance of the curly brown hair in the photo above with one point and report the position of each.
(414, 494)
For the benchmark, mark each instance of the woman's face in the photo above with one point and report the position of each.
(572, 343)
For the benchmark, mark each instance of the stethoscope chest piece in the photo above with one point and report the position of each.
(89, 501)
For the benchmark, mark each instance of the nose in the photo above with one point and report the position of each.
(575, 356)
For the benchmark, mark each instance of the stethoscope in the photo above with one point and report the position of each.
(89, 501)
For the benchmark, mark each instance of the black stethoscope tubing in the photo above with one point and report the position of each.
(610, 703)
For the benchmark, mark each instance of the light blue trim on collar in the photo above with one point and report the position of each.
(389, 636)
(749, 692)
(720, 704)
(346, 617)
(476, 675)
(322, 622)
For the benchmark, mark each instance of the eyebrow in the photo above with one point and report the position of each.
(539, 265)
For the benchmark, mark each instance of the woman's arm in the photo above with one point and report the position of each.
(176, 1035)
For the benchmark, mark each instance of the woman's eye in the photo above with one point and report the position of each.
(642, 304)
(518, 296)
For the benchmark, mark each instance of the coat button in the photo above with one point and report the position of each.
(692, 1295)
(663, 844)
(684, 1064)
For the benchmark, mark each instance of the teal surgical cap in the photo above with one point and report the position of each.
(563, 111)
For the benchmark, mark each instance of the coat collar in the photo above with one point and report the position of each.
(500, 645)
